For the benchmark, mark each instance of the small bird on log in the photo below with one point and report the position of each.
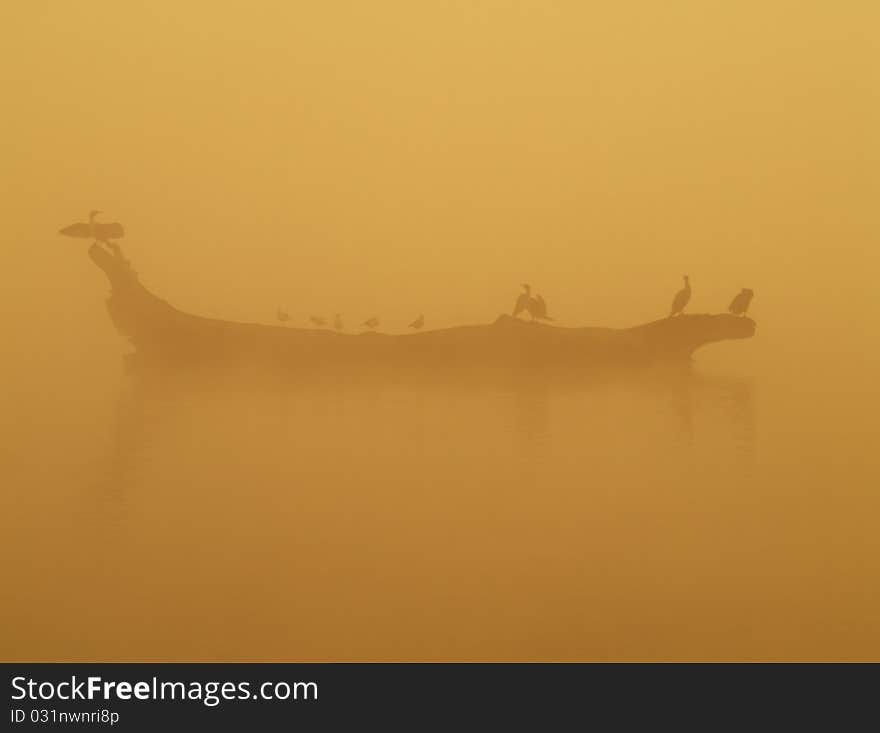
(371, 322)
(681, 298)
(283, 315)
(418, 323)
(96, 230)
(337, 323)
(534, 306)
(740, 304)
(318, 321)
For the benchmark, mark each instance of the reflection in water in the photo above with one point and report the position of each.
(683, 398)
(725, 401)
(476, 517)
(128, 437)
(743, 416)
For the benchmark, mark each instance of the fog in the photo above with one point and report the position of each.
(396, 158)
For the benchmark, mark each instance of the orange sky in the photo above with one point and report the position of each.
(402, 157)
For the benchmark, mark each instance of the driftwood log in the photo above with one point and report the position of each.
(165, 336)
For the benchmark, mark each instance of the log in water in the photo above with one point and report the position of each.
(164, 335)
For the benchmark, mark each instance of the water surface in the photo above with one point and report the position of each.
(671, 514)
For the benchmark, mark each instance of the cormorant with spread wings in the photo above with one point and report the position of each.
(533, 305)
(96, 230)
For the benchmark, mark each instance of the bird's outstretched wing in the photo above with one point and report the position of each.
(113, 230)
(542, 307)
(522, 303)
(79, 229)
(101, 231)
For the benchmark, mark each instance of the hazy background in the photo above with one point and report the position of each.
(391, 158)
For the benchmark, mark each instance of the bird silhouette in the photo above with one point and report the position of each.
(318, 321)
(371, 322)
(96, 230)
(740, 304)
(283, 316)
(533, 305)
(337, 323)
(681, 298)
(418, 323)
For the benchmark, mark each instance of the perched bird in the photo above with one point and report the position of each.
(337, 323)
(371, 322)
(740, 304)
(96, 230)
(318, 321)
(418, 323)
(283, 316)
(681, 298)
(534, 306)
